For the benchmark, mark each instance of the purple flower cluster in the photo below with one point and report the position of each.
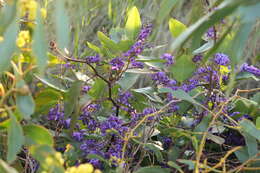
(162, 78)
(93, 59)
(117, 64)
(169, 58)
(57, 114)
(197, 58)
(221, 59)
(251, 69)
(210, 33)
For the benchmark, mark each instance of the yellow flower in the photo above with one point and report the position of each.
(58, 156)
(43, 13)
(71, 170)
(85, 168)
(20, 42)
(224, 69)
(23, 38)
(97, 171)
(1, 39)
(49, 160)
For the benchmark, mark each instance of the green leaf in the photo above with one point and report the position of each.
(51, 83)
(165, 8)
(40, 44)
(98, 89)
(242, 154)
(246, 75)
(107, 42)
(183, 68)
(72, 98)
(128, 80)
(251, 144)
(250, 128)
(15, 138)
(258, 123)
(7, 46)
(133, 23)
(176, 27)
(62, 25)
(174, 165)
(36, 134)
(149, 92)
(25, 103)
(190, 163)
(199, 28)
(94, 47)
(205, 47)
(153, 169)
(5, 168)
(246, 106)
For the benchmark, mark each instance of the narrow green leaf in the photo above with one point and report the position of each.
(36, 134)
(7, 46)
(133, 23)
(15, 139)
(258, 123)
(165, 8)
(93, 47)
(40, 44)
(176, 27)
(98, 89)
(107, 42)
(62, 25)
(5, 168)
(174, 165)
(72, 98)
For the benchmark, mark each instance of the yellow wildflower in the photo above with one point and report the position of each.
(97, 171)
(49, 160)
(71, 170)
(23, 38)
(43, 13)
(224, 69)
(85, 168)
(58, 156)
(1, 39)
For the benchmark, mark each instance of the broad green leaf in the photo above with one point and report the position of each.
(133, 23)
(47, 99)
(128, 80)
(250, 128)
(62, 25)
(242, 154)
(72, 98)
(51, 83)
(149, 92)
(98, 89)
(40, 44)
(174, 165)
(190, 163)
(183, 68)
(93, 47)
(176, 27)
(35, 134)
(5, 168)
(124, 45)
(246, 106)
(7, 46)
(153, 169)
(7, 15)
(165, 8)
(251, 144)
(15, 138)
(107, 42)
(25, 103)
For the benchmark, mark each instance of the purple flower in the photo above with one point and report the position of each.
(117, 63)
(221, 59)
(86, 88)
(250, 69)
(160, 77)
(145, 32)
(197, 58)
(169, 58)
(78, 136)
(93, 59)
(211, 32)
(137, 64)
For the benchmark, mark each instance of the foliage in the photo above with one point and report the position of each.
(129, 86)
